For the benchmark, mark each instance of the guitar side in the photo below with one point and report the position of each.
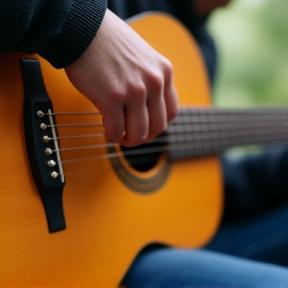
(107, 222)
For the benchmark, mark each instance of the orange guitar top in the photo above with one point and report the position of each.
(112, 210)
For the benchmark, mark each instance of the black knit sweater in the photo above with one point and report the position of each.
(59, 30)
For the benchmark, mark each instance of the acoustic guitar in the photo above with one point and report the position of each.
(75, 209)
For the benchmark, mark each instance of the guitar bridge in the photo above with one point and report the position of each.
(42, 144)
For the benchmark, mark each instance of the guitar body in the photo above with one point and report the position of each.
(111, 211)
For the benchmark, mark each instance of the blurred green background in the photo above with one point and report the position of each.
(252, 41)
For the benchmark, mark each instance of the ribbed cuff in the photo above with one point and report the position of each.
(79, 29)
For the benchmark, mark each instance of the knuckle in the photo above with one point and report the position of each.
(137, 89)
(117, 94)
(156, 81)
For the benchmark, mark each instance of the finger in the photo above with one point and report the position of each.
(157, 115)
(171, 100)
(114, 123)
(137, 120)
(170, 93)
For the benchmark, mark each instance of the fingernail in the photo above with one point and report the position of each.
(123, 134)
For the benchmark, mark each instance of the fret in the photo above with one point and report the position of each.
(204, 131)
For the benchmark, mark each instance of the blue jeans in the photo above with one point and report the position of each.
(172, 268)
(263, 238)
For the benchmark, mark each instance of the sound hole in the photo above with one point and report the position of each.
(139, 159)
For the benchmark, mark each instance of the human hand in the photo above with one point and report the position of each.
(128, 81)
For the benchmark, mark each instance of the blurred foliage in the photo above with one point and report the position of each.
(252, 41)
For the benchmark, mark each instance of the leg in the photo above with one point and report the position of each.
(256, 211)
(171, 268)
(262, 238)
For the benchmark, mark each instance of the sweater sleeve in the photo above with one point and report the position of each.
(59, 31)
(255, 183)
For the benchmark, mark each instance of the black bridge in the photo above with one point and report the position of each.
(42, 145)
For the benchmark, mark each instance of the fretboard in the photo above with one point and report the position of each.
(200, 132)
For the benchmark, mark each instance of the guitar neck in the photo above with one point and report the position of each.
(202, 132)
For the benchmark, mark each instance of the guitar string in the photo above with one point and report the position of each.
(160, 149)
(202, 135)
(195, 150)
(76, 125)
(186, 119)
(195, 110)
(175, 125)
(196, 128)
(186, 114)
(97, 135)
(183, 131)
(194, 147)
(73, 113)
(121, 154)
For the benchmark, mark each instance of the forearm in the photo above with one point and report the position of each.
(59, 31)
